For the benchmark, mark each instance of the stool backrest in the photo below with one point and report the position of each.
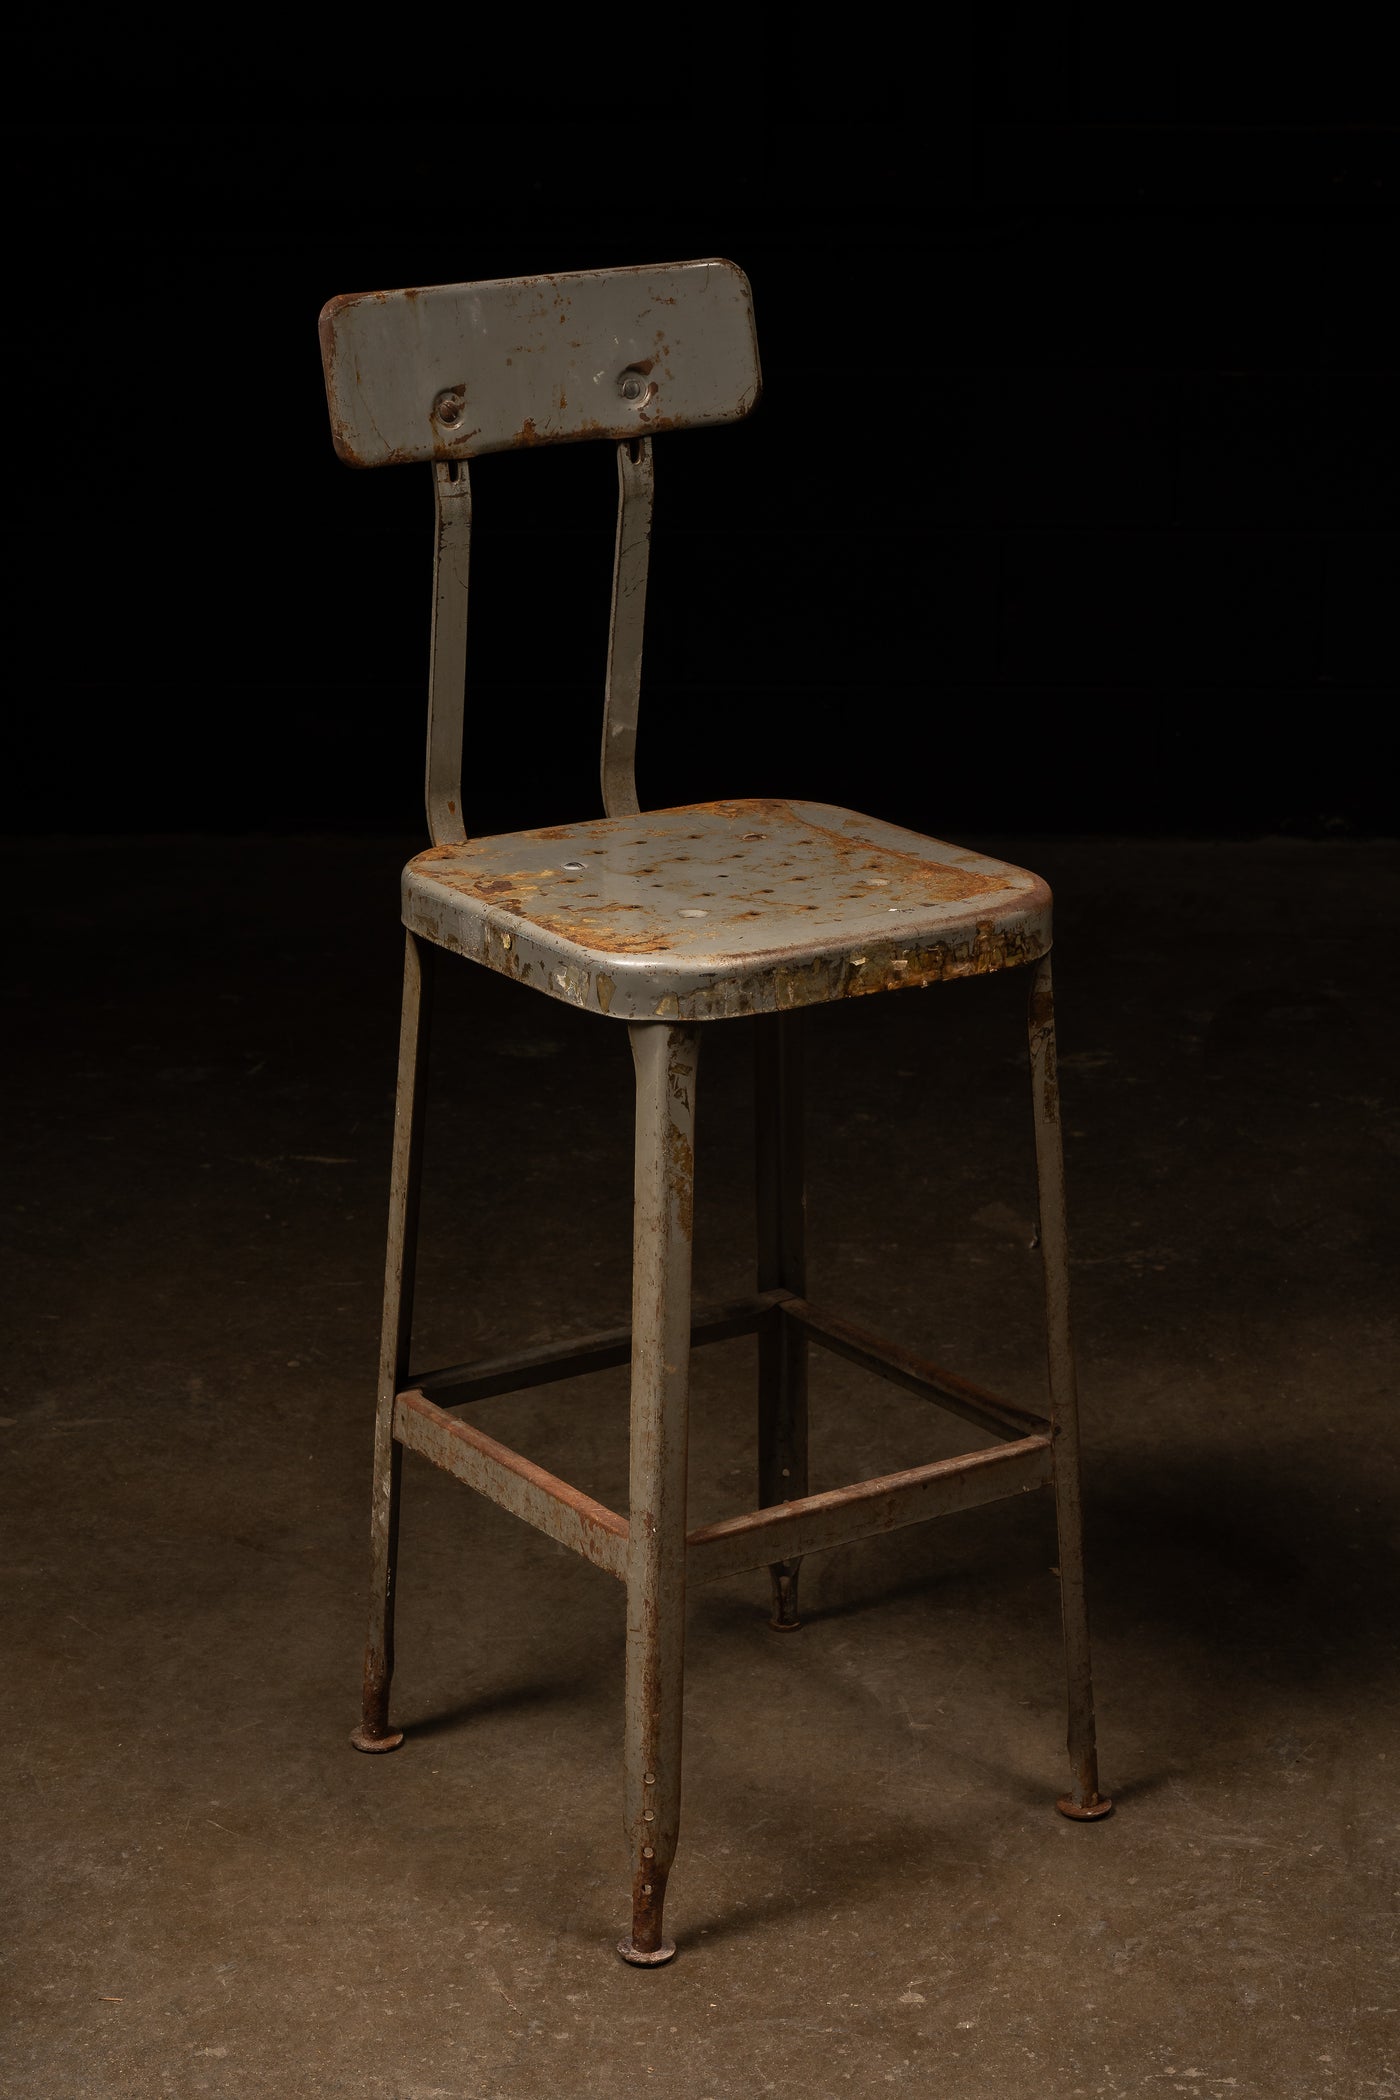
(449, 372)
(456, 370)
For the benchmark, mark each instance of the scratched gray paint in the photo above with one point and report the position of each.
(622, 693)
(663, 1208)
(405, 1177)
(724, 908)
(551, 1505)
(1084, 1802)
(452, 371)
(817, 1522)
(447, 671)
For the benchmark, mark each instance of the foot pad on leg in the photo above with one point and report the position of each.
(389, 1741)
(639, 1960)
(1097, 1809)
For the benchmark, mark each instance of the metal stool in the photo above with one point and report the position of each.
(666, 920)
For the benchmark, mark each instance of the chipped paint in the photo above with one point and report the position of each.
(455, 371)
(723, 908)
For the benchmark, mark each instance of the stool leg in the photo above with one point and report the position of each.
(782, 1265)
(374, 1732)
(665, 1059)
(1084, 1803)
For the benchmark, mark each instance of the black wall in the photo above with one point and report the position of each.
(1070, 505)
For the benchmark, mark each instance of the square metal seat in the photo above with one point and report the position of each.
(724, 908)
(665, 921)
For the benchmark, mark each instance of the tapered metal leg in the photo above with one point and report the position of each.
(665, 1059)
(782, 1265)
(374, 1732)
(1084, 1802)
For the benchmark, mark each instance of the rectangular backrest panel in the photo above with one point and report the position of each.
(455, 370)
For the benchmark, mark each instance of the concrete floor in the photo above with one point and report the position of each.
(212, 1894)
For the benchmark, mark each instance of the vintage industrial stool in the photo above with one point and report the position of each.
(667, 920)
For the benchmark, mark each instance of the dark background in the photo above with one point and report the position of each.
(1070, 506)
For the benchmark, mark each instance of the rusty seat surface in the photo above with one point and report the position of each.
(724, 908)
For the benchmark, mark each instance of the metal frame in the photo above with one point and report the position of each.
(392, 359)
(652, 1551)
(800, 1522)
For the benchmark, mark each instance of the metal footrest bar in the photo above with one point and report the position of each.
(523, 1368)
(755, 1540)
(914, 1373)
(868, 1508)
(782, 1532)
(519, 1370)
(562, 1512)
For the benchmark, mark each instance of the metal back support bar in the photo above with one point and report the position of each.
(622, 700)
(447, 677)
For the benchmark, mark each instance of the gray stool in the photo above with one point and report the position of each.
(666, 920)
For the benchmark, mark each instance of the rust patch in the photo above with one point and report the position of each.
(1042, 1031)
(648, 1904)
(680, 1177)
(992, 920)
(606, 939)
(936, 881)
